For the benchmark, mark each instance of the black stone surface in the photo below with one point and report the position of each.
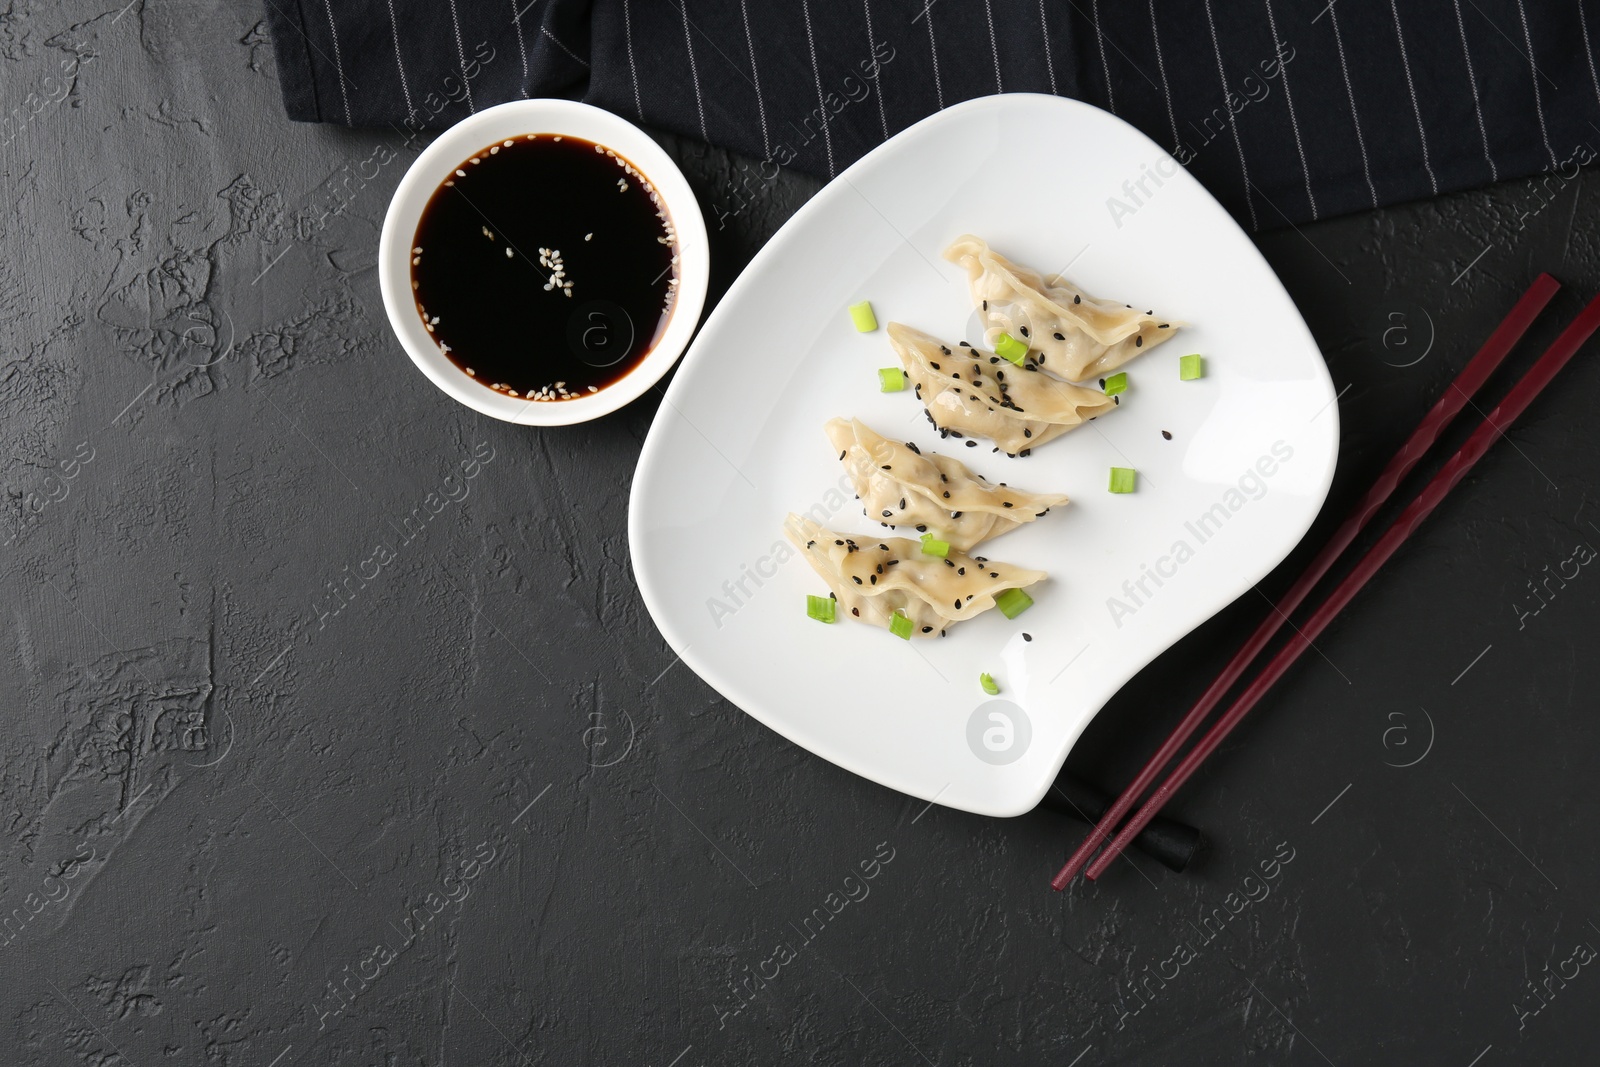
(224, 793)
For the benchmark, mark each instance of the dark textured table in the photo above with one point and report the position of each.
(319, 751)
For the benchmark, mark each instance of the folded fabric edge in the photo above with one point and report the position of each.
(291, 47)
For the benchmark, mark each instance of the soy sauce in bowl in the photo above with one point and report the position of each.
(545, 267)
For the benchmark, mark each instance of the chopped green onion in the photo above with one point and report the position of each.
(820, 607)
(891, 380)
(1117, 383)
(1009, 348)
(932, 546)
(990, 686)
(861, 314)
(1123, 479)
(1190, 368)
(900, 626)
(1013, 602)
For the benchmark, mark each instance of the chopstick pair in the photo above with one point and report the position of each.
(1448, 406)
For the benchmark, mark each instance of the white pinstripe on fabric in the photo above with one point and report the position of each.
(1472, 79)
(1105, 67)
(627, 38)
(755, 78)
(872, 46)
(472, 107)
(1533, 73)
(338, 62)
(1049, 61)
(816, 73)
(522, 46)
(400, 64)
(694, 71)
(933, 51)
(1588, 52)
(1294, 122)
(1161, 65)
(1416, 109)
(994, 46)
(575, 57)
(1350, 94)
(1238, 143)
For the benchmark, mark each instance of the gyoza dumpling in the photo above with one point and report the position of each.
(900, 486)
(873, 578)
(968, 391)
(1074, 334)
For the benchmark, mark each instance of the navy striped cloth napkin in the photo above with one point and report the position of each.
(1287, 110)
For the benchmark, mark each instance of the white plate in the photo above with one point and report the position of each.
(739, 443)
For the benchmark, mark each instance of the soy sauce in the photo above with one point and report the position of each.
(545, 267)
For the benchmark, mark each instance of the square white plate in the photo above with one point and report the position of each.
(738, 443)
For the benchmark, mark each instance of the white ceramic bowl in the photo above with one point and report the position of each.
(516, 118)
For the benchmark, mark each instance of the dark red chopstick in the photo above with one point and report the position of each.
(1445, 409)
(1494, 424)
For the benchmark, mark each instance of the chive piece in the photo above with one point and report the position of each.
(861, 314)
(1123, 479)
(990, 686)
(891, 380)
(1013, 602)
(900, 626)
(1010, 349)
(1117, 383)
(820, 607)
(1190, 368)
(932, 546)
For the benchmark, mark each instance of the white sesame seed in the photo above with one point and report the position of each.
(494, 150)
(460, 173)
(508, 253)
(586, 237)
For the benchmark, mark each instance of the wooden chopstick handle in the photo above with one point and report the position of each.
(1490, 430)
(1455, 396)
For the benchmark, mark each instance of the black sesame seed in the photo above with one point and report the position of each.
(880, 566)
(994, 574)
(856, 612)
(958, 608)
(1102, 383)
(965, 344)
(927, 629)
(945, 350)
(955, 514)
(935, 366)
(902, 503)
(891, 563)
(810, 543)
(841, 455)
(838, 542)
(922, 529)
(1007, 503)
(886, 467)
(1024, 330)
(1163, 326)
(853, 578)
(980, 559)
(1138, 342)
(969, 596)
(949, 562)
(1027, 637)
(913, 448)
(833, 596)
(1166, 434)
(874, 578)
(947, 494)
(994, 359)
(1059, 337)
(986, 305)
(944, 478)
(1026, 452)
(1077, 299)
(956, 376)
(1027, 433)
(1116, 400)
(887, 513)
(972, 444)
(961, 570)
